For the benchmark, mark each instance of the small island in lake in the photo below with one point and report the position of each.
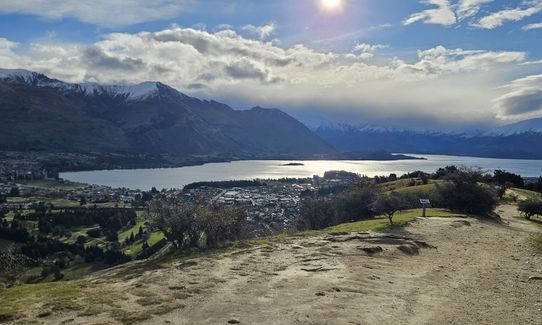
(293, 164)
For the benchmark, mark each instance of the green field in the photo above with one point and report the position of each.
(526, 193)
(134, 230)
(382, 222)
(57, 294)
(65, 203)
(403, 185)
(137, 246)
(59, 185)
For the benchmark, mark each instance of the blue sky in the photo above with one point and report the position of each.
(460, 63)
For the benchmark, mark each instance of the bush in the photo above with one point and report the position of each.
(316, 213)
(352, 205)
(468, 197)
(502, 177)
(190, 226)
(530, 208)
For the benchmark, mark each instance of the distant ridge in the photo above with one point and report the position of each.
(520, 141)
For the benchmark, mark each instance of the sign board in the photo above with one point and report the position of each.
(425, 201)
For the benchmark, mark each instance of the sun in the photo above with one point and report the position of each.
(331, 5)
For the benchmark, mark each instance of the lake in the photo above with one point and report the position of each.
(161, 178)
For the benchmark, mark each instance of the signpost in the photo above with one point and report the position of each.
(425, 203)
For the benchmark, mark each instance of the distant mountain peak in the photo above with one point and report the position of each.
(527, 126)
(132, 92)
(14, 74)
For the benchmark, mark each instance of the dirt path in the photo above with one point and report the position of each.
(467, 272)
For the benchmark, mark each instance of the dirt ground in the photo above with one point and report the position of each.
(433, 271)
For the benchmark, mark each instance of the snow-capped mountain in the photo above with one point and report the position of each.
(528, 126)
(130, 92)
(40, 113)
(522, 140)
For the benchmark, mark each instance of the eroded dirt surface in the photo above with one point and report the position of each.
(433, 271)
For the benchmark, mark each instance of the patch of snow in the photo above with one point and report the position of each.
(131, 92)
(18, 74)
(534, 125)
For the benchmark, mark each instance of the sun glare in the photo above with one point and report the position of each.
(331, 5)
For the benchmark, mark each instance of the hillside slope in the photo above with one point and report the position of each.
(443, 270)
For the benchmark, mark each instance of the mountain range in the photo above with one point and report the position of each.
(40, 113)
(43, 114)
(521, 140)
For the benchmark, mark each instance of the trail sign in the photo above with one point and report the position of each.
(425, 203)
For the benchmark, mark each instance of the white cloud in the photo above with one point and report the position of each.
(367, 51)
(448, 13)
(445, 84)
(442, 15)
(101, 12)
(498, 18)
(263, 31)
(469, 8)
(532, 26)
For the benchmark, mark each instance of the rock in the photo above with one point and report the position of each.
(45, 314)
(460, 223)
(320, 294)
(317, 269)
(372, 250)
(234, 321)
(187, 264)
(409, 249)
(535, 278)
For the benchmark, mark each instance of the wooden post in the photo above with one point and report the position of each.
(425, 203)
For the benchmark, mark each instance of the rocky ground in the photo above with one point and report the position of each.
(433, 271)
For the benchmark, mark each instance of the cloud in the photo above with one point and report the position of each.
(469, 8)
(448, 13)
(442, 15)
(441, 83)
(263, 31)
(498, 18)
(367, 51)
(523, 99)
(100, 12)
(532, 26)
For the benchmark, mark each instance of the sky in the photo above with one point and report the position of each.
(429, 64)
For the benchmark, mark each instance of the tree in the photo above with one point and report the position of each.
(14, 192)
(189, 225)
(145, 245)
(389, 204)
(463, 193)
(530, 208)
(502, 177)
(140, 233)
(501, 189)
(112, 236)
(316, 213)
(132, 238)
